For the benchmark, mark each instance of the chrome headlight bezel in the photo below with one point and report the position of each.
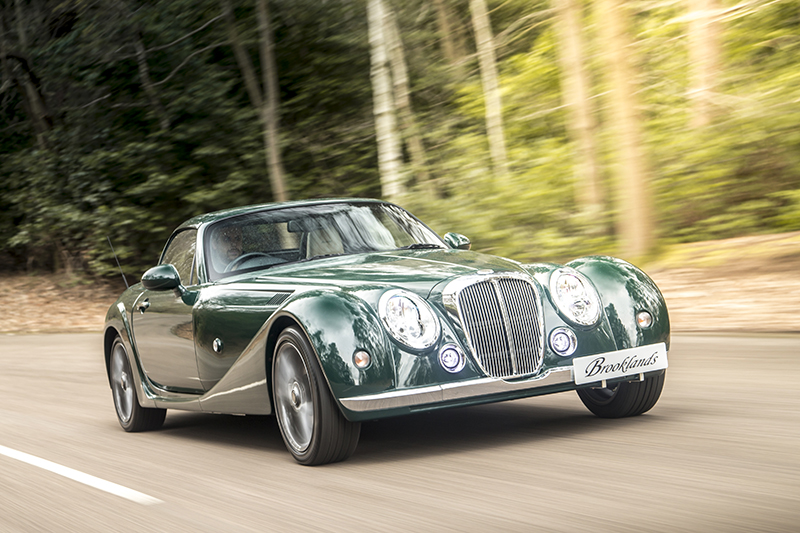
(404, 333)
(560, 335)
(583, 296)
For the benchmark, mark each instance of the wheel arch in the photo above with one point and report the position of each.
(280, 323)
(625, 290)
(110, 334)
(336, 325)
(117, 325)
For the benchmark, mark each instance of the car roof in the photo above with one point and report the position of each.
(207, 218)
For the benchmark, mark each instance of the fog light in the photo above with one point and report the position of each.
(563, 341)
(361, 359)
(644, 319)
(451, 359)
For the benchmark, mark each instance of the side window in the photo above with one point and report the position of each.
(180, 254)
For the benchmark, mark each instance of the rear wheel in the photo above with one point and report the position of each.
(132, 416)
(623, 399)
(313, 428)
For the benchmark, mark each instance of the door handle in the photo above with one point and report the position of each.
(142, 307)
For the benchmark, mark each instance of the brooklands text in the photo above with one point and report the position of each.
(598, 367)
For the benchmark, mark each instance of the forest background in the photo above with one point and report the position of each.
(542, 130)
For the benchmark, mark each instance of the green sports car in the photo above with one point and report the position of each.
(332, 312)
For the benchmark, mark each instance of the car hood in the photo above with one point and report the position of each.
(416, 270)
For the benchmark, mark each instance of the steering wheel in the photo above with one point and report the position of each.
(239, 261)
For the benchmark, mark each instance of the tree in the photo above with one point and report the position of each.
(266, 102)
(147, 83)
(389, 155)
(450, 34)
(270, 104)
(18, 71)
(491, 88)
(580, 116)
(402, 98)
(635, 209)
(91, 148)
(704, 58)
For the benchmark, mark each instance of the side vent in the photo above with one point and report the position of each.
(279, 298)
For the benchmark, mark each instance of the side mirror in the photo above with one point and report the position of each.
(161, 278)
(457, 241)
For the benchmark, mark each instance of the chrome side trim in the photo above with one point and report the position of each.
(453, 391)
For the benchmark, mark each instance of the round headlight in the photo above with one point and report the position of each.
(409, 319)
(575, 296)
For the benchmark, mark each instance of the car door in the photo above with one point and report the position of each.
(163, 325)
(228, 315)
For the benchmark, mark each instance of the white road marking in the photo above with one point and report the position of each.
(80, 477)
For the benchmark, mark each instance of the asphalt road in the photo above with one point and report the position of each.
(719, 452)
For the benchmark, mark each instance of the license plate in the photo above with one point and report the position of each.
(612, 365)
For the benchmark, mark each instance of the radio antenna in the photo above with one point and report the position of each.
(118, 265)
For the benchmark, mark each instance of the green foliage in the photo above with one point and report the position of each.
(108, 167)
(533, 216)
(736, 176)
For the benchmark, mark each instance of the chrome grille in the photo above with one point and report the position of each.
(500, 316)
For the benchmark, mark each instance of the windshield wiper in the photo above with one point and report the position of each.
(421, 246)
(321, 256)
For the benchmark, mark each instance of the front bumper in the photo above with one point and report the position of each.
(453, 391)
(595, 370)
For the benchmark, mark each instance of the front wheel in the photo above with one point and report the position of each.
(132, 416)
(313, 428)
(623, 399)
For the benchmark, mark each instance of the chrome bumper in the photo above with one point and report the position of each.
(453, 391)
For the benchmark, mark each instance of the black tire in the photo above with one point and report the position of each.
(132, 416)
(623, 399)
(313, 427)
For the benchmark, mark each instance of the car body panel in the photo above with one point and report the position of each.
(229, 317)
(228, 329)
(626, 290)
(164, 336)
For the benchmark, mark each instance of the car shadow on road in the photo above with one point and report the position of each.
(476, 428)
(254, 432)
(416, 435)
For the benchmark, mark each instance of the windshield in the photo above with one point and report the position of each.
(277, 236)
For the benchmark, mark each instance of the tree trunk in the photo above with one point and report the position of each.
(491, 88)
(704, 58)
(21, 75)
(270, 103)
(242, 58)
(403, 99)
(452, 41)
(267, 105)
(21, 34)
(147, 83)
(389, 155)
(635, 209)
(446, 32)
(580, 117)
